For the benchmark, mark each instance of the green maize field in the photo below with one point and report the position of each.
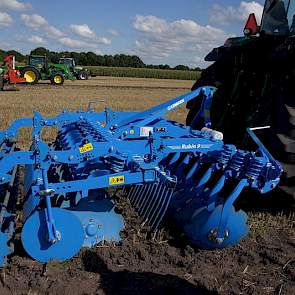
(143, 73)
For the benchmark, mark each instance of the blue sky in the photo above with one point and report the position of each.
(172, 32)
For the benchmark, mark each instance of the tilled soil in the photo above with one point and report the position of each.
(162, 263)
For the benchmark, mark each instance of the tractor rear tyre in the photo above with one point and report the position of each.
(236, 108)
(83, 75)
(30, 74)
(57, 79)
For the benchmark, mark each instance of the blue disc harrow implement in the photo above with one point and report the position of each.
(165, 169)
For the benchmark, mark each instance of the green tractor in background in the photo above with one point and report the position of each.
(255, 77)
(79, 72)
(38, 68)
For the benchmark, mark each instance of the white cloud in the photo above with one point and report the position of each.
(79, 45)
(34, 21)
(113, 32)
(97, 51)
(103, 40)
(74, 43)
(36, 40)
(184, 40)
(5, 19)
(14, 5)
(54, 32)
(252, 7)
(230, 14)
(150, 24)
(47, 31)
(84, 31)
(38, 22)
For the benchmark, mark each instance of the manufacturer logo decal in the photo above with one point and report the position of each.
(189, 146)
(175, 105)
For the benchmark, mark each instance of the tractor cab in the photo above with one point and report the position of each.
(68, 61)
(39, 62)
(79, 72)
(277, 24)
(278, 18)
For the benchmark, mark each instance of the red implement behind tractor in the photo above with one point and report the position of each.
(9, 75)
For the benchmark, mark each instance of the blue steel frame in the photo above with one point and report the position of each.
(131, 148)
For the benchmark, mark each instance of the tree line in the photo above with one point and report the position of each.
(92, 59)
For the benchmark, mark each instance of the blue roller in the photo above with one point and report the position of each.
(202, 228)
(35, 239)
(99, 220)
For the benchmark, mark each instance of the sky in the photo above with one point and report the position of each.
(158, 31)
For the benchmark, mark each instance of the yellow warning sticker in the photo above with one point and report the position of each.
(116, 180)
(86, 148)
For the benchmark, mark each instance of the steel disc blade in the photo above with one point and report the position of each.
(204, 221)
(34, 236)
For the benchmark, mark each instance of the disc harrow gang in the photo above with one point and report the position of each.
(166, 169)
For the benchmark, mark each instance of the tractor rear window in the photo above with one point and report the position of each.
(279, 17)
(67, 62)
(290, 6)
(37, 61)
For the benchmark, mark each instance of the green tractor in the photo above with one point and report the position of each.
(79, 72)
(38, 68)
(255, 80)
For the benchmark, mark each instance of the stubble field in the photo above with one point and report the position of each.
(117, 93)
(263, 263)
